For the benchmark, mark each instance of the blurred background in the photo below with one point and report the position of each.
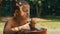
(46, 13)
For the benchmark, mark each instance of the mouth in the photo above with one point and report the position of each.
(27, 16)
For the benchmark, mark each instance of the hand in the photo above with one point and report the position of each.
(24, 27)
(15, 29)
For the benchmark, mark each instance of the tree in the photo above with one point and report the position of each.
(37, 5)
(0, 7)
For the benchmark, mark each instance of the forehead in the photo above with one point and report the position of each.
(26, 6)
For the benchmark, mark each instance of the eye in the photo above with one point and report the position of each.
(25, 10)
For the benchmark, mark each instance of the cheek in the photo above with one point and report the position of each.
(22, 13)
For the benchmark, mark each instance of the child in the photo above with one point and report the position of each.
(19, 20)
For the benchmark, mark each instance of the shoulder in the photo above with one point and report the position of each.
(9, 22)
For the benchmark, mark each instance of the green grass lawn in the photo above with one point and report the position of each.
(53, 27)
(1, 28)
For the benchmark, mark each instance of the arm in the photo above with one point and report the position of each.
(8, 28)
(24, 27)
(33, 22)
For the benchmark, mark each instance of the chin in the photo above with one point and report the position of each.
(25, 18)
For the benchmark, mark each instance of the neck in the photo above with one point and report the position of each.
(21, 21)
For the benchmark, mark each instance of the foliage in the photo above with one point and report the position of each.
(49, 7)
(44, 7)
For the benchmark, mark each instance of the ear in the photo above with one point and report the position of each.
(15, 14)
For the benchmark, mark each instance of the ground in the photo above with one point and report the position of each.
(53, 27)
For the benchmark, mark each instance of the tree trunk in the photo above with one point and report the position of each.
(37, 11)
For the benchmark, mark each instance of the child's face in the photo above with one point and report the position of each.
(24, 12)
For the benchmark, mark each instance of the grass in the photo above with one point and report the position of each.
(53, 27)
(1, 28)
